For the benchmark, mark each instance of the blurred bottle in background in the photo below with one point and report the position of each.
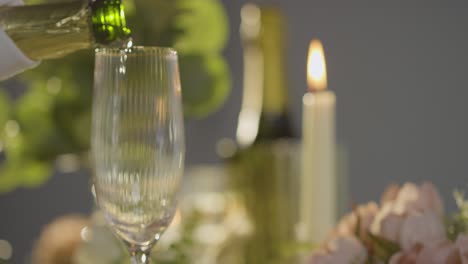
(264, 113)
(32, 33)
(264, 169)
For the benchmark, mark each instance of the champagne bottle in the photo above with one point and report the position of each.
(261, 167)
(264, 111)
(54, 30)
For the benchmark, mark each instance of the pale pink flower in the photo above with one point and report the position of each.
(59, 240)
(430, 198)
(406, 198)
(410, 216)
(320, 257)
(346, 249)
(414, 198)
(399, 204)
(421, 228)
(387, 223)
(440, 253)
(348, 224)
(462, 244)
(397, 258)
(390, 194)
(406, 257)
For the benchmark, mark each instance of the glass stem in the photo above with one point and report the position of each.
(139, 257)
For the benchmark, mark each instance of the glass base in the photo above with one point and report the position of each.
(139, 257)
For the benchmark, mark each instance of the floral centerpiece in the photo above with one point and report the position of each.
(408, 226)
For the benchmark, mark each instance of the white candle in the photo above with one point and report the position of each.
(318, 207)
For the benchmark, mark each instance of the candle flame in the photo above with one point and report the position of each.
(316, 67)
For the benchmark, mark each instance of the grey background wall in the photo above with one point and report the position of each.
(400, 74)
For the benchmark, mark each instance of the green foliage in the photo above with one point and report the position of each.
(4, 108)
(53, 116)
(198, 29)
(178, 252)
(458, 223)
(382, 249)
(206, 82)
(202, 35)
(19, 166)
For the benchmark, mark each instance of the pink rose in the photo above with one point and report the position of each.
(346, 249)
(387, 223)
(410, 216)
(406, 257)
(406, 197)
(422, 228)
(348, 224)
(320, 257)
(410, 201)
(414, 198)
(59, 240)
(430, 198)
(390, 194)
(443, 252)
(462, 244)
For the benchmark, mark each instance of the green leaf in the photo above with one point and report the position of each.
(458, 222)
(27, 173)
(14, 145)
(151, 22)
(42, 138)
(5, 108)
(204, 26)
(383, 248)
(8, 180)
(36, 101)
(205, 83)
(34, 173)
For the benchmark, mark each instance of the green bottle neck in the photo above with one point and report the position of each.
(271, 41)
(108, 21)
(262, 32)
(265, 98)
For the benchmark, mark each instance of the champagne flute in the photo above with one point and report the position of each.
(137, 143)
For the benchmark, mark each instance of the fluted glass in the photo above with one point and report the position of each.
(137, 142)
